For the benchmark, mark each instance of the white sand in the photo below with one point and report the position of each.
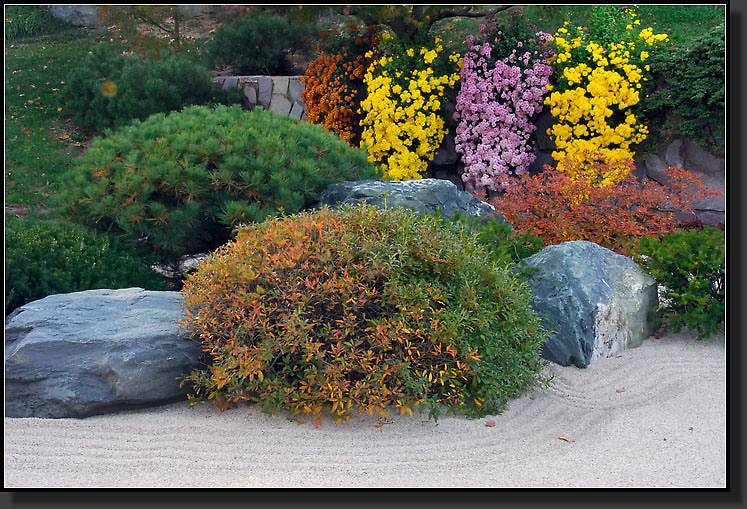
(653, 417)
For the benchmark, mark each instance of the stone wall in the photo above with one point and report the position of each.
(281, 94)
(681, 152)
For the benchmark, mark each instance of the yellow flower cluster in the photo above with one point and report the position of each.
(595, 102)
(403, 126)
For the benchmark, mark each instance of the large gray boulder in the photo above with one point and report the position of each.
(76, 15)
(94, 352)
(422, 195)
(599, 302)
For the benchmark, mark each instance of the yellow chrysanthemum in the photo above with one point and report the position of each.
(402, 126)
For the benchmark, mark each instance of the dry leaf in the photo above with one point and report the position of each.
(490, 424)
(567, 439)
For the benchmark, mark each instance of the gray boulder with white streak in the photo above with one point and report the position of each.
(599, 302)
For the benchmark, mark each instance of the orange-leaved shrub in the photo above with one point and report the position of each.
(558, 207)
(334, 80)
(360, 310)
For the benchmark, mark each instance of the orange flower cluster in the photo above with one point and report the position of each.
(334, 80)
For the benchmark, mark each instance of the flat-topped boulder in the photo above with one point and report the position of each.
(423, 195)
(97, 351)
(598, 302)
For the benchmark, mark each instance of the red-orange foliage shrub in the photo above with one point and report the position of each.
(557, 208)
(334, 80)
(351, 311)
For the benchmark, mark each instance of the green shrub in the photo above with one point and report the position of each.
(108, 90)
(45, 257)
(30, 20)
(690, 265)
(179, 183)
(257, 44)
(504, 243)
(356, 310)
(690, 86)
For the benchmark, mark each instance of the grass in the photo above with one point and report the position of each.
(678, 21)
(29, 20)
(41, 143)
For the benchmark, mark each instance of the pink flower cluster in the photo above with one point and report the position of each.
(499, 96)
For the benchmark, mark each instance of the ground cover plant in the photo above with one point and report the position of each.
(691, 266)
(355, 310)
(179, 183)
(44, 257)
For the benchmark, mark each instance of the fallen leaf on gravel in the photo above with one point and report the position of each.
(565, 438)
(490, 424)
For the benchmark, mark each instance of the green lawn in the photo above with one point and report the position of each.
(39, 141)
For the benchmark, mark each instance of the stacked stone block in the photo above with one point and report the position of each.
(281, 94)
